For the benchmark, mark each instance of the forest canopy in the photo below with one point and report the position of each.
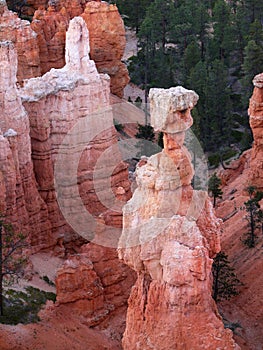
(213, 47)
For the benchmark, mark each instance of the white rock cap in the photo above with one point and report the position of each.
(170, 108)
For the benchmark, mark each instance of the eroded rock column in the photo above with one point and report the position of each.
(256, 122)
(169, 238)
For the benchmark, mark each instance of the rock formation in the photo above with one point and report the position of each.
(107, 42)
(94, 283)
(107, 37)
(245, 308)
(75, 170)
(23, 205)
(256, 122)
(169, 238)
(24, 38)
(63, 102)
(50, 27)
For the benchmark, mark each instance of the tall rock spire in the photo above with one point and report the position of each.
(169, 238)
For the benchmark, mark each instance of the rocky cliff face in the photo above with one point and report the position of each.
(23, 204)
(256, 122)
(107, 37)
(107, 42)
(169, 236)
(63, 104)
(245, 308)
(95, 284)
(14, 29)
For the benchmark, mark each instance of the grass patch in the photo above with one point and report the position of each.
(23, 307)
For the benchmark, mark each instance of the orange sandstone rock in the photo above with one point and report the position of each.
(25, 41)
(107, 37)
(169, 236)
(256, 122)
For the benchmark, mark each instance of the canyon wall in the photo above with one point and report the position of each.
(22, 204)
(256, 124)
(64, 101)
(54, 132)
(245, 309)
(53, 105)
(107, 38)
(25, 40)
(169, 238)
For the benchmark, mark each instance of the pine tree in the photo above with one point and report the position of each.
(225, 281)
(214, 184)
(254, 215)
(253, 64)
(11, 258)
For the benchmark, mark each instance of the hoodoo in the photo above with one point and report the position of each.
(169, 236)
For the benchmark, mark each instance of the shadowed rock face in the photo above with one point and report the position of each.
(169, 236)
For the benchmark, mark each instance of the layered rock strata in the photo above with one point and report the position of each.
(22, 204)
(94, 283)
(71, 126)
(107, 37)
(169, 238)
(18, 31)
(256, 123)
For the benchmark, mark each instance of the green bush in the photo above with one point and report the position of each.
(214, 160)
(118, 126)
(23, 307)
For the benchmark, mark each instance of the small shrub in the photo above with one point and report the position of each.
(48, 281)
(118, 126)
(23, 307)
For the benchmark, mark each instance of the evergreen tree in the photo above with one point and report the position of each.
(133, 11)
(11, 258)
(192, 56)
(214, 184)
(254, 215)
(225, 281)
(253, 64)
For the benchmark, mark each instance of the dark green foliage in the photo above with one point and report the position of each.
(23, 307)
(12, 260)
(225, 281)
(145, 132)
(48, 281)
(214, 184)
(146, 145)
(254, 216)
(133, 11)
(253, 64)
(160, 140)
(212, 47)
(118, 126)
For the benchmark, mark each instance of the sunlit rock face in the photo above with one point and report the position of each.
(20, 200)
(19, 32)
(170, 235)
(255, 112)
